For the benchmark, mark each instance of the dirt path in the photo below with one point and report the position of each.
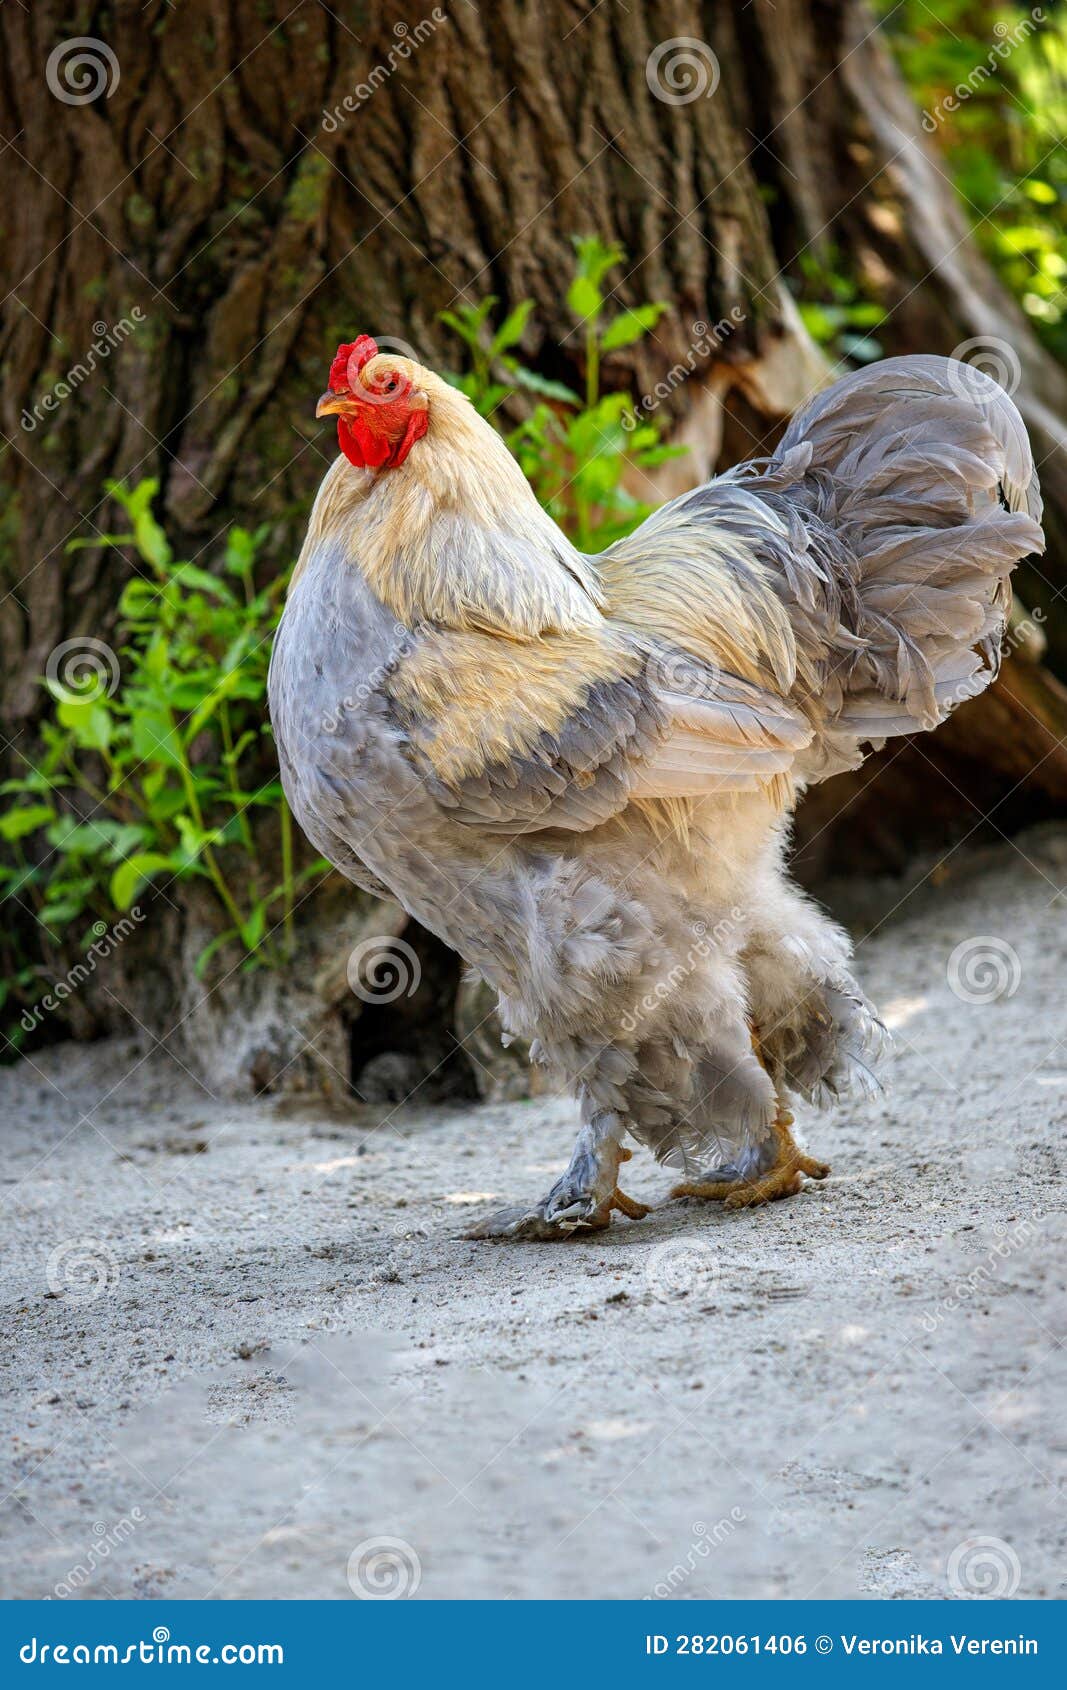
(289, 1353)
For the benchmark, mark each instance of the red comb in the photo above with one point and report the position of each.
(349, 361)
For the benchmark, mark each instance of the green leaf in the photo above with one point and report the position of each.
(153, 739)
(868, 314)
(650, 456)
(16, 823)
(468, 320)
(253, 929)
(630, 326)
(585, 298)
(242, 544)
(511, 329)
(131, 875)
(188, 575)
(209, 950)
(208, 708)
(58, 913)
(596, 257)
(148, 536)
(80, 839)
(488, 398)
(534, 383)
(88, 719)
(193, 838)
(155, 660)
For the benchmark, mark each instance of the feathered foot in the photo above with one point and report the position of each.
(782, 1179)
(583, 1199)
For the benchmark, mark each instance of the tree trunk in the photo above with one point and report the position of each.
(255, 181)
(219, 185)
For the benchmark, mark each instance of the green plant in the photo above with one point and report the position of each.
(991, 80)
(161, 777)
(573, 447)
(837, 317)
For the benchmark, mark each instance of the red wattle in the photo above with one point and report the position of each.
(369, 448)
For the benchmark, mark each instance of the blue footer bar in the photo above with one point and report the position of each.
(520, 1644)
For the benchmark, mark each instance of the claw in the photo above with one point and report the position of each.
(582, 1200)
(523, 1224)
(578, 1210)
(783, 1179)
(562, 1214)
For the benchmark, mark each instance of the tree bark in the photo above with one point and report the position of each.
(209, 186)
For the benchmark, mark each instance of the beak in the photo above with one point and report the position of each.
(331, 404)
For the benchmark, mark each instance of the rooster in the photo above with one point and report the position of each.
(579, 771)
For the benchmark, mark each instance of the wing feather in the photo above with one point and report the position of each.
(563, 732)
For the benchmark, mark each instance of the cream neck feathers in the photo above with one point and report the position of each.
(454, 535)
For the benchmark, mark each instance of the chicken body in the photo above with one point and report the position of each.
(578, 771)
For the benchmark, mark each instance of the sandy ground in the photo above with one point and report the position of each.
(241, 1343)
